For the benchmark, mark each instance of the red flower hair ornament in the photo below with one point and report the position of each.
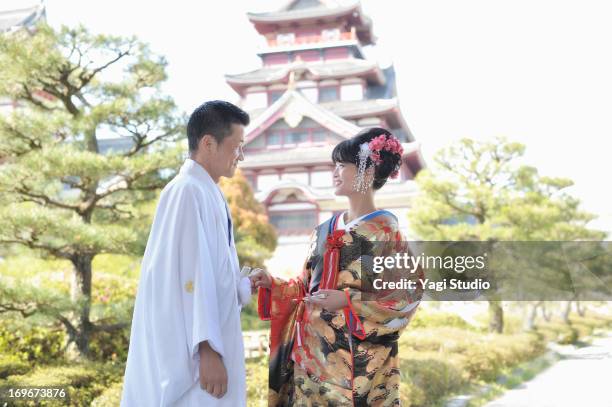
(372, 150)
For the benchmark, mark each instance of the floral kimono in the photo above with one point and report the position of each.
(346, 357)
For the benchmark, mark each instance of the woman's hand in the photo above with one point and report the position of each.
(260, 278)
(331, 300)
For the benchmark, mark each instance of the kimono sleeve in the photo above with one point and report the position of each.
(196, 251)
(279, 297)
(385, 312)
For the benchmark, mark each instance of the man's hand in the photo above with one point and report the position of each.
(260, 278)
(213, 376)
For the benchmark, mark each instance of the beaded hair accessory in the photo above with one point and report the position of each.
(372, 150)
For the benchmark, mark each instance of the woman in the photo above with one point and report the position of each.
(330, 347)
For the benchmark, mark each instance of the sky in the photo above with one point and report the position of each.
(534, 71)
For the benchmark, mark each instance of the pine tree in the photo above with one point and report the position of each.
(62, 196)
(480, 191)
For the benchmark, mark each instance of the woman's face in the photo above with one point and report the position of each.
(344, 178)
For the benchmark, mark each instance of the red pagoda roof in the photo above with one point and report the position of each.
(314, 71)
(295, 11)
(356, 109)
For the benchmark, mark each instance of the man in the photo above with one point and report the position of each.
(186, 344)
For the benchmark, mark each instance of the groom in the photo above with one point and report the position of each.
(186, 344)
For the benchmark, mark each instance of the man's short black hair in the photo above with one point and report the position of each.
(215, 118)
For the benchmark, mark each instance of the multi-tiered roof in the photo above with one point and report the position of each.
(315, 88)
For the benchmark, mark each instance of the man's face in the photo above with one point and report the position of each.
(229, 152)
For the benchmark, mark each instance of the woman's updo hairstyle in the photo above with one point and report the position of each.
(386, 162)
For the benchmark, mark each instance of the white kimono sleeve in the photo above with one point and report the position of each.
(197, 249)
(244, 291)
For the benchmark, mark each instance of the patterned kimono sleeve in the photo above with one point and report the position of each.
(278, 305)
(277, 301)
(384, 312)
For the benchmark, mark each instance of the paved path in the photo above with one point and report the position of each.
(582, 378)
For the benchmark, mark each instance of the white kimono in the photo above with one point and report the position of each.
(190, 291)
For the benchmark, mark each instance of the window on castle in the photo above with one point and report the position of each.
(330, 34)
(296, 137)
(319, 136)
(285, 39)
(328, 93)
(274, 139)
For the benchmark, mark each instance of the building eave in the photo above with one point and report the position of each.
(14, 19)
(269, 21)
(293, 103)
(285, 16)
(413, 158)
(265, 50)
(361, 108)
(288, 158)
(315, 71)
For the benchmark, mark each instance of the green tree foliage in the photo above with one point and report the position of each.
(62, 197)
(255, 238)
(481, 191)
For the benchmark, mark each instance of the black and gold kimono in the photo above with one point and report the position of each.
(347, 357)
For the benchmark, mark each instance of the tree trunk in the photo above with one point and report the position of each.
(566, 312)
(580, 309)
(82, 296)
(533, 311)
(496, 317)
(546, 314)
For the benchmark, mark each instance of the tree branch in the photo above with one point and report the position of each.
(72, 331)
(58, 252)
(109, 327)
(87, 77)
(25, 311)
(43, 199)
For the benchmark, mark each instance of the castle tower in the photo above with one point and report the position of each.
(316, 88)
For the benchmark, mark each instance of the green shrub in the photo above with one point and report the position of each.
(250, 319)
(31, 343)
(116, 264)
(411, 395)
(557, 332)
(110, 346)
(429, 379)
(111, 397)
(568, 336)
(481, 356)
(438, 319)
(10, 365)
(437, 339)
(82, 382)
(257, 382)
(113, 302)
